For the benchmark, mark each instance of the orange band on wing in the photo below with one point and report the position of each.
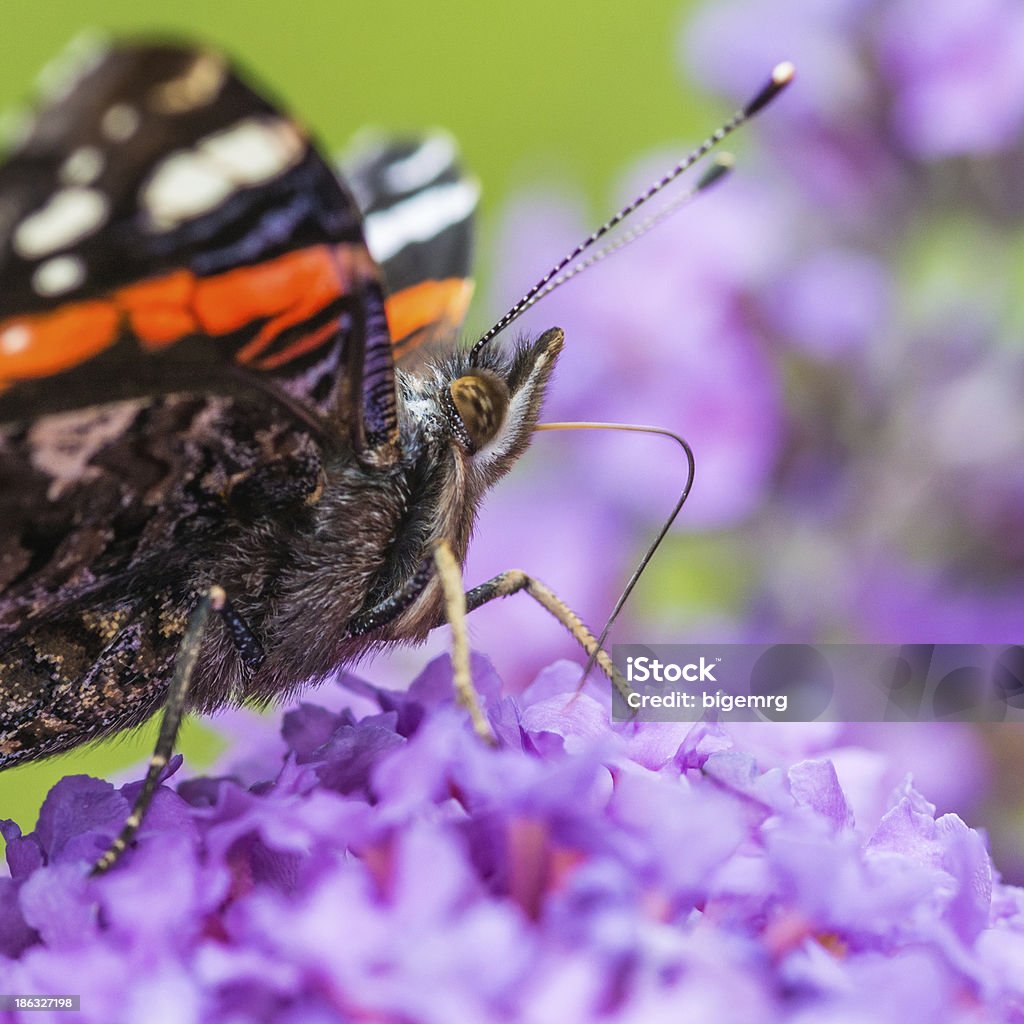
(38, 346)
(231, 300)
(160, 311)
(429, 304)
(307, 343)
(279, 293)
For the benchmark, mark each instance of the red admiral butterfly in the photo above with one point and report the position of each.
(214, 397)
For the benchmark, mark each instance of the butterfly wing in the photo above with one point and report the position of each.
(418, 207)
(172, 252)
(165, 232)
(159, 207)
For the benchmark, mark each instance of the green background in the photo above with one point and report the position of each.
(532, 90)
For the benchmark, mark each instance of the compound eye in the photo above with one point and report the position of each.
(481, 402)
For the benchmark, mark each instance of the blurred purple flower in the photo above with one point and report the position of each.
(660, 337)
(551, 527)
(398, 869)
(832, 304)
(956, 73)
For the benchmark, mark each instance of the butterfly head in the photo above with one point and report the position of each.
(485, 412)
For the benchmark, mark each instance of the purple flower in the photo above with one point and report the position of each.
(832, 304)
(957, 75)
(397, 868)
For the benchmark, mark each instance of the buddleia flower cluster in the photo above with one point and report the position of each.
(395, 868)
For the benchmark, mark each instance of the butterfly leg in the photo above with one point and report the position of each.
(458, 604)
(443, 564)
(514, 580)
(251, 652)
(450, 575)
(394, 604)
(247, 644)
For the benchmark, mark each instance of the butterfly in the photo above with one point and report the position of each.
(229, 383)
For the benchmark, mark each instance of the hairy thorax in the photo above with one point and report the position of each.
(299, 580)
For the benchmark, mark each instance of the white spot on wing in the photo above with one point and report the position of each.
(194, 181)
(71, 215)
(82, 167)
(422, 166)
(14, 339)
(120, 122)
(255, 150)
(183, 186)
(420, 217)
(58, 275)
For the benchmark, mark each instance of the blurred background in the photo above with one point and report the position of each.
(837, 329)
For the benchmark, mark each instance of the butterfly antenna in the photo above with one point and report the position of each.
(781, 76)
(665, 527)
(719, 168)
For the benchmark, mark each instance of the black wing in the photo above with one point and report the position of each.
(164, 227)
(418, 207)
(172, 253)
